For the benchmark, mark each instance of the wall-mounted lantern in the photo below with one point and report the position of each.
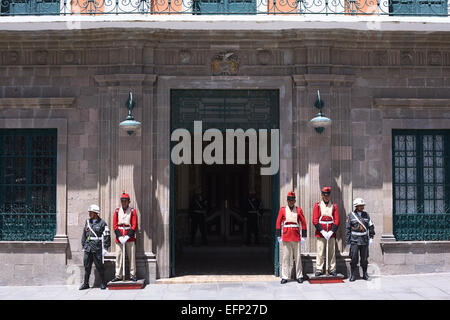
(129, 124)
(320, 122)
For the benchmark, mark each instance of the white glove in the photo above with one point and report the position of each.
(121, 240)
(125, 238)
(279, 240)
(104, 252)
(302, 240)
(330, 234)
(370, 241)
(324, 233)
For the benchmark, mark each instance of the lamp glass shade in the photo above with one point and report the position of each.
(130, 126)
(320, 121)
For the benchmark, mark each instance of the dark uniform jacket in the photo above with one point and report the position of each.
(198, 206)
(101, 229)
(353, 227)
(253, 205)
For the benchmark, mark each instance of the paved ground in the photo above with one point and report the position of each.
(423, 286)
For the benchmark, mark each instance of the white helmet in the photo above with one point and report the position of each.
(94, 208)
(358, 202)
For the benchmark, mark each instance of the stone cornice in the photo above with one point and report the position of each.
(114, 80)
(320, 80)
(411, 103)
(37, 103)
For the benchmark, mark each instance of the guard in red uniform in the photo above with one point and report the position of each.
(326, 221)
(288, 233)
(125, 225)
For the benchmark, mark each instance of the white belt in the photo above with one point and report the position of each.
(290, 226)
(326, 222)
(124, 228)
(94, 238)
(359, 233)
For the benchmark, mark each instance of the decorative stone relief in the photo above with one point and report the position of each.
(225, 63)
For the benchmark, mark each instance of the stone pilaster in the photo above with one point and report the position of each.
(125, 161)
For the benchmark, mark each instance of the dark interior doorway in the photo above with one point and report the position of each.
(233, 247)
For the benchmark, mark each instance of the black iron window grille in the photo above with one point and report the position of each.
(421, 184)
(28, 184)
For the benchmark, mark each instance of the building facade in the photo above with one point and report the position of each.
(65, 80)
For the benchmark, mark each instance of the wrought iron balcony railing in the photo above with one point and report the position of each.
(226, 7)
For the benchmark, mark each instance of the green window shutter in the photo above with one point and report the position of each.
(33, 7)
(418, 7)
(224, 6)
(28, 184)
(421, 184)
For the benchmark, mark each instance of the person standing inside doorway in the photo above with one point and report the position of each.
(253, 212)
(198, 211)
(290, 220)
(326, 221)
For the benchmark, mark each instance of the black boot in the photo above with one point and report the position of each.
(318, 274)
(365, 275)
(116, 279)
(354, 273)
(300, 280)
(102, 282)
(283, 281)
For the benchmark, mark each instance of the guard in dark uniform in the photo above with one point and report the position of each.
(95, 242)
(198, 210)
(359, 233)
(253, 211)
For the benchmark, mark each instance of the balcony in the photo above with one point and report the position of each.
(438, 8)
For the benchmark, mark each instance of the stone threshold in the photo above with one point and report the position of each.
(217, 279)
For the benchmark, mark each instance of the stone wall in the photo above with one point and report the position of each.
(370, 83)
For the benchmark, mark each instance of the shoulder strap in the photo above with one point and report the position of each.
(359, 221)
(90, 228)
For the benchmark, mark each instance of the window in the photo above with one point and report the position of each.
(224, 6)
(23, 7)
(421, 184)
(418, 7)
(28, 184)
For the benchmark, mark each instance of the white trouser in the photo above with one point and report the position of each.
(290, 252)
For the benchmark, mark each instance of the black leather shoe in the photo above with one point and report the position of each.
(134, 278)
(102, 286)
(333, 273)
(365, 276)
(300, 280)
(318, 274)
(283, 281)
(84, 286)
(116, 279)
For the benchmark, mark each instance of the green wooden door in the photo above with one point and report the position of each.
(226, 109)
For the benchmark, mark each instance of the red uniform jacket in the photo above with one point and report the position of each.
(323, 226)
(291, 233)
(129, 232)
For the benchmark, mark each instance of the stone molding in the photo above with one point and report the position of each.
(116, 80)
(44, 246)
(326, 80)
(37, 103)
(410, 103)
(414, 246)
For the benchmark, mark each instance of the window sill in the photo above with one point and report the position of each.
(389, 246)
(59, 244)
